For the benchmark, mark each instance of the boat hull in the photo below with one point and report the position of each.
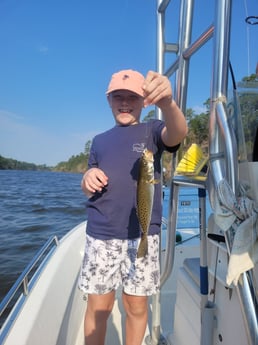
(53, 311)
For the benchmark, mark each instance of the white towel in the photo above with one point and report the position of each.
(241, 215)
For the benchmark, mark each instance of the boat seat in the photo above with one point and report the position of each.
(192, 267)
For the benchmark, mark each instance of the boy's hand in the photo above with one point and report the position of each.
(94, 180)
(157, 89)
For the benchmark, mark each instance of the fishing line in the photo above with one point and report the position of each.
(147, 133)
(248, 40)
(251, 20)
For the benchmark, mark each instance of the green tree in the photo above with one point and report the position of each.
(190, 114)
(198, 127)
(13, 164)
(149, 116)
(248, 100)
(87, 148)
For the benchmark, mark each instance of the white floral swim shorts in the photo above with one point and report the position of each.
(110, 263)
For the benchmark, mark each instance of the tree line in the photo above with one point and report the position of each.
(13, 164)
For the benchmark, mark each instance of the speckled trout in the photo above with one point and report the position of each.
(145, 195)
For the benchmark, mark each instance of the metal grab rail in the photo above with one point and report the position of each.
(184, 49)
(219, 116)
(223, 161)
(23, 278)
(178, 181)
(244, 288)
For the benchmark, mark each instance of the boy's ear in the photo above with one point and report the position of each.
(109, 99)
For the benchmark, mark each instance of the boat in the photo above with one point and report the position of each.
(209, 277)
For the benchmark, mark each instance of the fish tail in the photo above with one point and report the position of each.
(143, 247)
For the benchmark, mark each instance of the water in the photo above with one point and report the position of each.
(34, 206)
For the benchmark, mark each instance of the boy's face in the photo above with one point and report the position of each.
(126, 107)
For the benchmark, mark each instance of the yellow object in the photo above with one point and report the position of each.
(192, 162)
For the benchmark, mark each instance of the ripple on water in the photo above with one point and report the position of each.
(34, 206)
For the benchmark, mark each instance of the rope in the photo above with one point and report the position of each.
(222, 99)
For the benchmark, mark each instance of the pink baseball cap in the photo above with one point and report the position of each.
(127, 80)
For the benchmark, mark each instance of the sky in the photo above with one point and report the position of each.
(57, 57)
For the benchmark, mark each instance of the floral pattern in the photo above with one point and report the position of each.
(110, 263)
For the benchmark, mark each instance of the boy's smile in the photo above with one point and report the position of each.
(126, 106)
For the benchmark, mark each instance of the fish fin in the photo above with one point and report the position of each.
(152, 181)
(143, 247)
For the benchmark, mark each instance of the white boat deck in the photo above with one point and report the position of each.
(57, 306)
(53, 312)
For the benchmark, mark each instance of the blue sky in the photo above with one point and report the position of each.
(57, 57)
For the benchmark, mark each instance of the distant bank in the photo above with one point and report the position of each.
(75, 164)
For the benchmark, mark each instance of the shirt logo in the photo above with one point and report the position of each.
(138, 147)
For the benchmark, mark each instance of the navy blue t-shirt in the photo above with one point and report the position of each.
(112, 212)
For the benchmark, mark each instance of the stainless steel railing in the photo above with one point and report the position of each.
(222, 141)
(23, 279)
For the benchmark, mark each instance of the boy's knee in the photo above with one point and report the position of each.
(135, 305)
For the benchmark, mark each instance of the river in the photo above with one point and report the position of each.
(34, 205)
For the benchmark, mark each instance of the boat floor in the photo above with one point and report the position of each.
(53, 311)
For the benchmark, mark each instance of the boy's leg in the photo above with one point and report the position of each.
(136, 308)
(141, 278)
(98, 310)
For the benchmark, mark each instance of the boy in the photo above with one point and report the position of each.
(113, 232)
